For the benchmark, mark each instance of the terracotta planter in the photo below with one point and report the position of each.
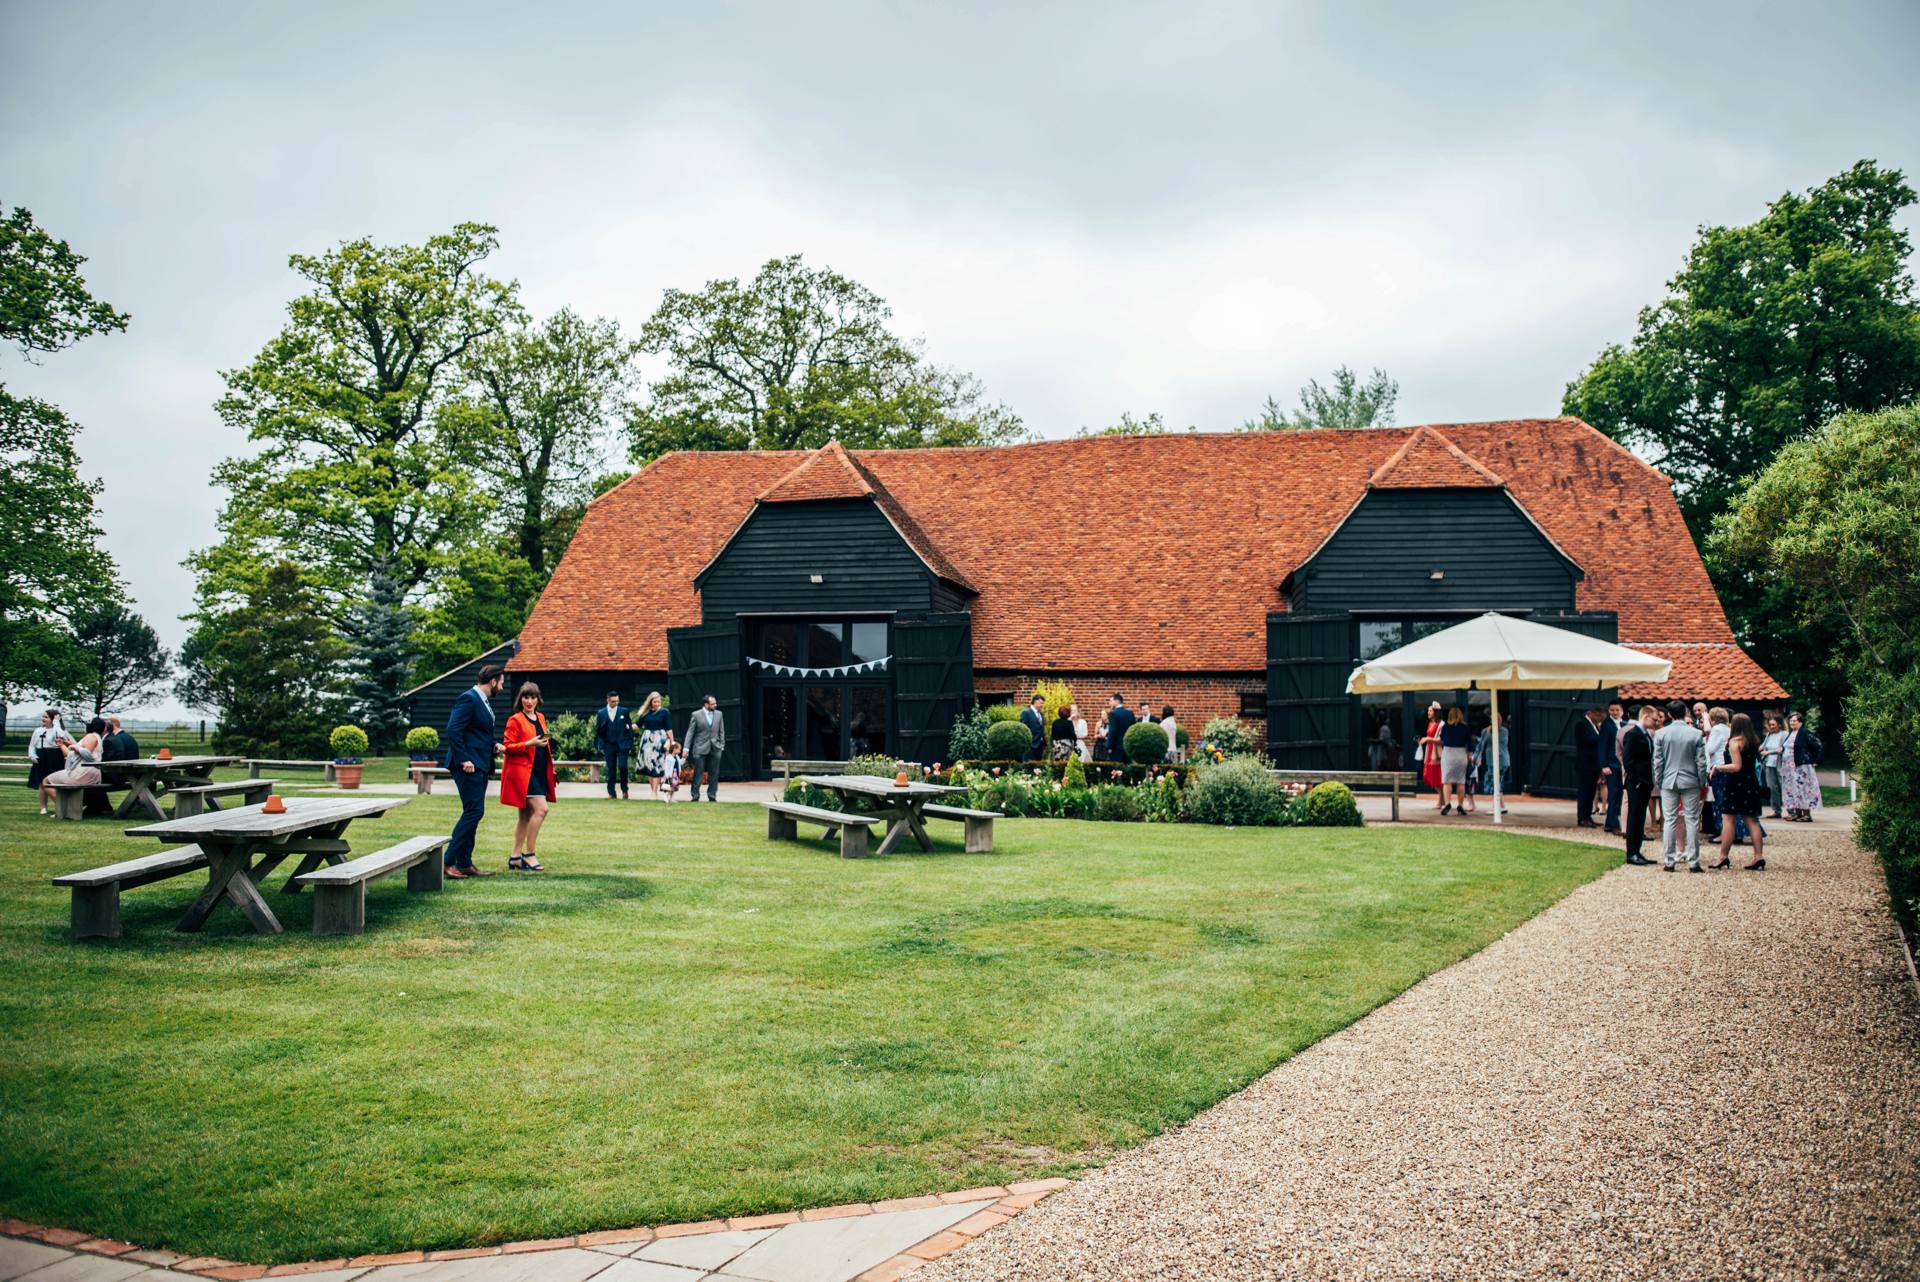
(347, 776)
(900, 780)
(274, 805)
(165, 754)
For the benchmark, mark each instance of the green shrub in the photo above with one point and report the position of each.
(348, 743)
(807, 795)
(881, 766)
(1075, 803)
(1073, 773)
(1181, 737)
(1883, 724)
(999, 712)
(1328, 805)
(968, 739)
(1115, 803)
(1162, 800)
(1145, 743)
(1237, 792)
(572, 737)
(422, 739)
(1008, 740)
(1230, 735)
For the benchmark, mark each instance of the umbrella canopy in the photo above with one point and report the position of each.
(1496, 650)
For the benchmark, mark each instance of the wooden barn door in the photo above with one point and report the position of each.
(703, 661)
(1309, 713)
(1550, 714)
(932, 683)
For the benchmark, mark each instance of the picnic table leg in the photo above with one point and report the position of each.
(1396, 798)
(140, 797)
(230, 876)
(907, 820)
(327, 847)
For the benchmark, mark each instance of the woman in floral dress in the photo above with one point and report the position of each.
(656, 729)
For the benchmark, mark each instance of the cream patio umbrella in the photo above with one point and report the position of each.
(1496, 652)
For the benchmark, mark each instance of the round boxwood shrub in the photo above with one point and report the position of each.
(422, 739)
(1239, 792)
(347, 742)
(1145, 743)
(1229, 735)
(1008, 741)
(1329, 805)
(998, 712)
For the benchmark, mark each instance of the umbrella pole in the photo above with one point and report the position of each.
(1498, 808)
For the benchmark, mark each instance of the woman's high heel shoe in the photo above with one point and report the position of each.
(1756, 866)
(1724, 863)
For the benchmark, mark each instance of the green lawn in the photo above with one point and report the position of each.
(685, 1020)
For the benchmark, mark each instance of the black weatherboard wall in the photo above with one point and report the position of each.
(1384, 556)
(865, 569)
(431, 703)
(863, 564)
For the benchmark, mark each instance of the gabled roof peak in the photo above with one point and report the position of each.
(1429, 460)
(827, 473)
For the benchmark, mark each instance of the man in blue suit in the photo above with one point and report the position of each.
(1035, 720)
(470, 745)
(613, 735)
(1119, 721)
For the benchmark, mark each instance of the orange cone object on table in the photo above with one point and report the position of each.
(273, 805)
(900, 780)
(165, 754)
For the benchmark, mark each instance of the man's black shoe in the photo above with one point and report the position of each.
(1639, 861)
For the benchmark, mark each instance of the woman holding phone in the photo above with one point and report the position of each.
(527, 780)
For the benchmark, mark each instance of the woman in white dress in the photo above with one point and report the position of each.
(1084, 749)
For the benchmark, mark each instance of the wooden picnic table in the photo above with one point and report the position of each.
(147, 777)
(243, 846)
(903, 805)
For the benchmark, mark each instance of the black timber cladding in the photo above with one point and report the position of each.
(864, 564)
(431, 703)
(1489, 555)
(585, 693)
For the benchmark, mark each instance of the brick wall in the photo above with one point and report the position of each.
(1196, 699)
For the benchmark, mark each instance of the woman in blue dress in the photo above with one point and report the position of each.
(656, 728)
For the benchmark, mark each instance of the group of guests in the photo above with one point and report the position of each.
(1695, 771)
(55, 759)
(1456, 759)
(528, 780)
(1067, 736)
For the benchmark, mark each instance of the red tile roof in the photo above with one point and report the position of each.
(827, 473)
(1718, 670)
(1430, 461)
(1173, 567)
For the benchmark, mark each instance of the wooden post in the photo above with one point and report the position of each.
(1396, 796)
(781, 827)
(428, 874)
(853, 841)
(188, 804)
(340, 910)
(979, 835)
(96, 911)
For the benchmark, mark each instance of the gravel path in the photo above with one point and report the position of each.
(1663, 1076)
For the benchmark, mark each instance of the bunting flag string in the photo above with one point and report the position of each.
(814, 674)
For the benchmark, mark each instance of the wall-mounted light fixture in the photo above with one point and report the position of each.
(1438, 574)
(816, 578)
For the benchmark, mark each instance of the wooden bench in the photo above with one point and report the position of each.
(96, 892)
(788, 765)
(70, 799)
(254, 764)
(784, 817)
(591, 767)
(198, 799)
(979, 824)
(423, 777)
(1370, 778)
(340, 892)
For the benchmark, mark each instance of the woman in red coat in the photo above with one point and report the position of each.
(527, 780)
(1430, 754)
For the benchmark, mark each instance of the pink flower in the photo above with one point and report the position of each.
(996, 770)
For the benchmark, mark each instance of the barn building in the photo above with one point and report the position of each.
(840, 602)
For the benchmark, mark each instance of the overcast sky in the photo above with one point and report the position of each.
(1177, 208)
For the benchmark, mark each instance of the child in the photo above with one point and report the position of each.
(670, 768)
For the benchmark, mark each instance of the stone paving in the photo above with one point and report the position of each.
(862, 1242)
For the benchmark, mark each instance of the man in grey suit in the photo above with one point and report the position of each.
(1680, 771)
(706, 740)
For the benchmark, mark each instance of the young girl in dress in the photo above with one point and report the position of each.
(670, 768)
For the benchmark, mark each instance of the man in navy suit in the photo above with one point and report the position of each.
(470, 744)
(1119, 721)
(613, 732)
(1035, 720)
(1593, 760)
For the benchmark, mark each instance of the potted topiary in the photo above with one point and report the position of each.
(348, 743)
(423, 743)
